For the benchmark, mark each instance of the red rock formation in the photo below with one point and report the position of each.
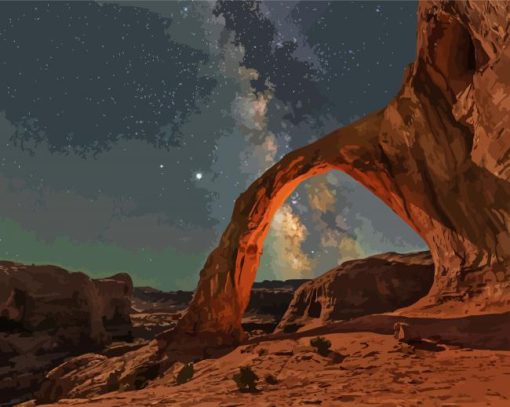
(92, 374)
(48, 314)
(374, 285)
(438, 155)
(39, 298)
(114, 305)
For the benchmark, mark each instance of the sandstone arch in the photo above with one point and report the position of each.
(438, 155)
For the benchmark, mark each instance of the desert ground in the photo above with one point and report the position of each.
(362, 369)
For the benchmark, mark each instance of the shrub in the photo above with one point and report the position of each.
(246, 379)
(321, 345)
(185, 374)
(270, 379)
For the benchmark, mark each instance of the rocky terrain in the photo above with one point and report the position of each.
(48, 314)
(362, 369)
(362, 289)
(154, 311)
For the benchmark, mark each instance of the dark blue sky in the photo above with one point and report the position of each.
(128, 129)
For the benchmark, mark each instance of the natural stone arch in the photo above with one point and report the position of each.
(431, 155)
(228, 275)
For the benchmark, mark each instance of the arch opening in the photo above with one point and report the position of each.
(329, 219)
(227, 277)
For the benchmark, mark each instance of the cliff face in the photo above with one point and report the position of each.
(48, 314)
(376, 284)
(42, 298)
(438, 155)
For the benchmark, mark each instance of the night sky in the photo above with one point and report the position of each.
(127, 130)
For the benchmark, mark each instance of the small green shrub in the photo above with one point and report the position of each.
(321, 345)
(185, 374)
(246, 379)
(270, 379)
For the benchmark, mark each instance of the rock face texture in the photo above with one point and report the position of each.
(48, 314)
(114, 306)
(438, 155)
(91, 374)
(153, 311)
(40, 298)
(362, 369)
(377, 284)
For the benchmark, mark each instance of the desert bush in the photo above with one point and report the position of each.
(321, 345)
(270, 379)
(246, 379)
(185, 374)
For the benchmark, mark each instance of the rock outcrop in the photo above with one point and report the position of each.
(91, 374)
(153, 311)
(41, 298)
(376, 284)
(115, 295)
(438, 155)
(48, 314)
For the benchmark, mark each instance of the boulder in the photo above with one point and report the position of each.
(404, 332)
(376, 284)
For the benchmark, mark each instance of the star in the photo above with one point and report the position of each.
(198, 175)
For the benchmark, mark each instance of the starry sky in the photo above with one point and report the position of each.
(128, 129)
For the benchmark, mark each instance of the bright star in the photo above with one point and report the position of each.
(198, 175)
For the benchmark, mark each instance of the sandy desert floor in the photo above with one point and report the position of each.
(363, 369)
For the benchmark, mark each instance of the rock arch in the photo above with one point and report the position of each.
(438, 155)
